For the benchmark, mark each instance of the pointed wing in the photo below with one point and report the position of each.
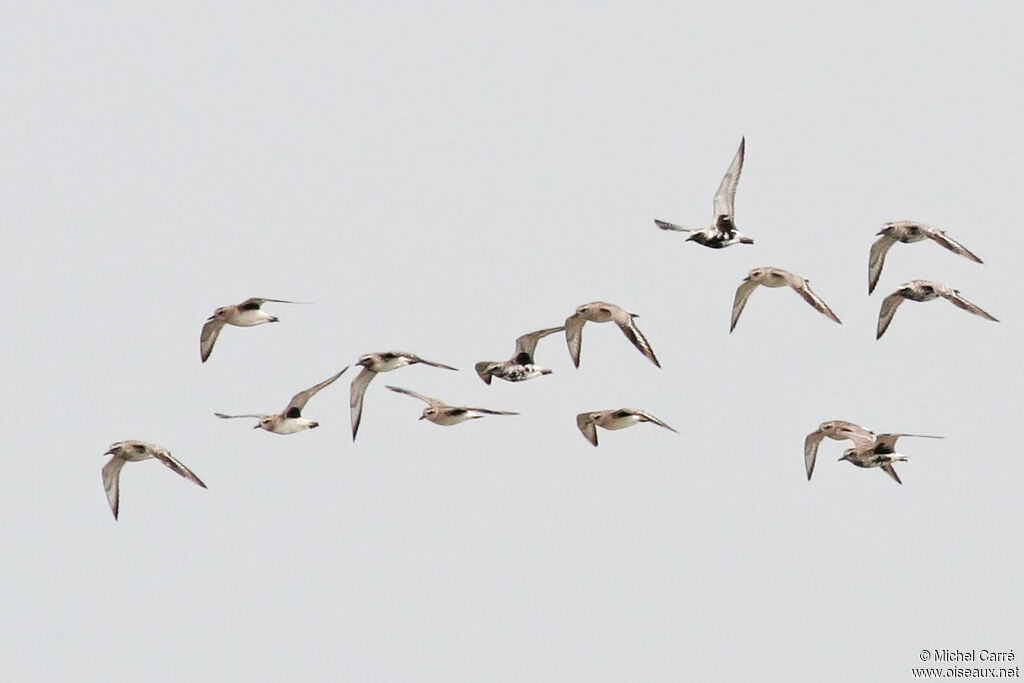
(355, 397)
(633, 334)
(170, 461)
(436, 402)
(483, 369)
(588, 427)
(800, 286)
(574, 336)
(231, 417)
(664, 225)
(888, 310)
(726, 196)
(300, 399)
(876, 259)
(811, 444)
(111, 475)
(528, 342)
(743, 293)
(416, 359)
(948, 242)
(650, 418)
(954, 297)
(888, 469)
(886, 443)
(208, 337)
(259, 301)
(490, 412)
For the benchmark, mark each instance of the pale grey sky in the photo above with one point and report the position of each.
(440, 178)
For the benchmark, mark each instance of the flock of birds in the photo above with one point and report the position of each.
(869, 450)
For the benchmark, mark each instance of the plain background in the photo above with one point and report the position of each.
(440, 178)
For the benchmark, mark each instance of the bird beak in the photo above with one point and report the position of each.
(421, 417)
(256, 427)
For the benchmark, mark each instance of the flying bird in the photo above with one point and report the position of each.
(776, 277)
(439, 412)
(922, 290)
(246, 314)
(723, 232)
(613, 419)
(521, 366)
(289, 420)
(881, 454)
(838, 430)
(373, 363)
(601, 312)
(908, 232)
(133, 451)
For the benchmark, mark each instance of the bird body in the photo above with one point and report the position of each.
(613, 420)
(249, 313)
(922, 290)
(373, 364)
(520, 367)
(135, 451)
(777, 277)
(601, 312)
(289, 420)
(908, 232)
(439, 412)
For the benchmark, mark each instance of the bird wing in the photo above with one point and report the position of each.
(574, 336)
(888, 310)
(888, 469)
(483, 369)
(876, 259)
(811, 444)
(488, 411)
(588, 427)
(170, 461)
(416, 359)
(948, 242)
(634, 335)
(111, 475)
(726, 196)
(527, 343)
(886, 443)
(355, 397)
(300, 399)
(800, 286)
(208, 337)
(259, 301)
(436, 402)
(650, 418)
(665, 225)
(743, 293)
(954, 297)
(231, 417)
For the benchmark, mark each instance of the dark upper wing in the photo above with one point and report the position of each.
(948, 242)
(167, 459)
(954, 297)
(633, 334)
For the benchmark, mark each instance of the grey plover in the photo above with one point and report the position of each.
(601, 312)
(776, 277)
(922, 290)
(374, 363)
(722, 232)
(246, 314)
(439, 412)
(133, 451)
(521, 366)
(613, 419)
(289, 420)
(908, 232)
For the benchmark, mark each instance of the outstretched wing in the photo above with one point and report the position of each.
(436, 402)
(888, 469)
(231, 417)
(527, 343)
(111, 476)
(300, 399)
(258, 301)
(743, 293)
(208, 337)
(665, 225)
(416, 359)
(170, 461)
(574, 336)
(948, 242)
(725, 198)
(876, 259)
(888, 310)
(650, 418)
(885, 444)
(800, 286)
(587, 427)
(633, 334)
(355, 398)
(811, 444)
(954, 297)
(487, 411)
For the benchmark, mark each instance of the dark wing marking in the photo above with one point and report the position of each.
(800, 286)
(954, 297)
(634, 335)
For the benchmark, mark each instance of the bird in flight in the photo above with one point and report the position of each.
(439, 412)
(613, 419)
(134, 451)
(922, 290)
(722, 232)
(289, 420)
(776, 277)
(521, 366)
(246, 314)
(601, 312)
(374, 363)
(908, 232)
